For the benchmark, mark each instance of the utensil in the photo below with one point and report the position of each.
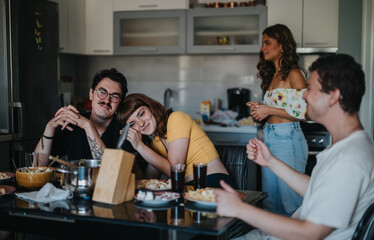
(123, 136)
(55, 159)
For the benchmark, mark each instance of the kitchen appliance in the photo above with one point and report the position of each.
(30, 76)
(237, 98)
(318, 138)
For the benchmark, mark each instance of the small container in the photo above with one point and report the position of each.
(205, 110)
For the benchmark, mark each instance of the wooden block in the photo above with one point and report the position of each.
(114, 176)
(111, 211)
(131, 188)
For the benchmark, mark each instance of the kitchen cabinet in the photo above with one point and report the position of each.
(5, 153)
(230, 136)
(229, 30)
(313, 23)
(82, 31)
(63, 24)
(150, 32)
(141, 5)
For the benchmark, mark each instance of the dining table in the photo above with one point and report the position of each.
(79, 218)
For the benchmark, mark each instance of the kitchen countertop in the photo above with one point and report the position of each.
(5, 138)
(233, 129)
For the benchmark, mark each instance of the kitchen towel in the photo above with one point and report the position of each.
(48, 193)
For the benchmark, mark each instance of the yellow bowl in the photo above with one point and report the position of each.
(34, 177)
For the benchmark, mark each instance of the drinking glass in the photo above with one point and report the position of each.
(177, 172)
(36, 159)
(199, 175)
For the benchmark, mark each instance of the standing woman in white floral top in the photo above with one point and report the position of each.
(283, 84)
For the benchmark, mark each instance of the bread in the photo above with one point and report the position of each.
(2, 190)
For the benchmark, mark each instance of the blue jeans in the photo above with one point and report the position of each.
(286, 141)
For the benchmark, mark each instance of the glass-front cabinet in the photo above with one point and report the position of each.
(150, 32)
(236, 30)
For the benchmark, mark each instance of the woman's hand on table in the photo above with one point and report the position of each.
(228, 200)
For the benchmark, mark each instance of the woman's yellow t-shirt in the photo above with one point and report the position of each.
(200, 149)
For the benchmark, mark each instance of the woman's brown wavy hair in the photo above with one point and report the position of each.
(136, 100)
(288, 60)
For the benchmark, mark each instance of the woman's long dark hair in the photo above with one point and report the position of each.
(136, 100)
(288, 60)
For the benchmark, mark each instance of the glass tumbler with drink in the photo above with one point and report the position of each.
(199, 175)
(177, 172)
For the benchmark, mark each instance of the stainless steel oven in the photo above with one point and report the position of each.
(318, 138)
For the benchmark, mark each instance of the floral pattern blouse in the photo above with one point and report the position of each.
(288, 99)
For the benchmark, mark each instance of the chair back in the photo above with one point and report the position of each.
(365, 228)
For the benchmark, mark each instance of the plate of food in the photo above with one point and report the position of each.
(5, 190)
(156, 198)
(154, 184)
(6, 176)
(204, 197)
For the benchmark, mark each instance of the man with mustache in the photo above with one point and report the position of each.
(86, 135)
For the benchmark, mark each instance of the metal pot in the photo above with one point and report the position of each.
(81, 178)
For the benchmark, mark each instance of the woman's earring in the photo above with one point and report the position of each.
(281, 50)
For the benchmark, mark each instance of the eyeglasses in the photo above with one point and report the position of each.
(102, 93)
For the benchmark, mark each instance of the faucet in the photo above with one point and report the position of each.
(168, 94)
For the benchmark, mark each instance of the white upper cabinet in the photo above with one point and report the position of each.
(314, 23)
(141, 5)
(289, 13)
(86, 27)
(63, 24)
(320, 25)
(99, 27)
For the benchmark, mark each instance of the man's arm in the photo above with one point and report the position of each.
(229, 204)
(45, 143)
(260, 154)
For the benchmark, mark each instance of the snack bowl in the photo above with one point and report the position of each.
(34, 177)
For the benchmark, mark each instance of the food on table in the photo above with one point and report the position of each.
(246, 121)
(204, 194)
(35, 169)
(2, 190)
(153, 184)
(148, 195)
(34, 177)
(4, 176)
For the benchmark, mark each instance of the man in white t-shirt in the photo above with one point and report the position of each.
(341, 187)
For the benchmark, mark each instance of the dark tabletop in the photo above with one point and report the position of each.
(85, 218)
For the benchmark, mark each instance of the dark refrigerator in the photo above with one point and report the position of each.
(33, 72)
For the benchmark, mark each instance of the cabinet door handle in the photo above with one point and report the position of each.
(101, 51)
(17, 120)
(316, 43)
(148, 49)
(148, 6)
(225, 49)
(225, 141)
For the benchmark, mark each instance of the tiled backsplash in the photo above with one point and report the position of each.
(192, 78)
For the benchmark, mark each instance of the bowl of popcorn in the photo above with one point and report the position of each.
(34, 177)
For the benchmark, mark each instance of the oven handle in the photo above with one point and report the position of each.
(313, 153)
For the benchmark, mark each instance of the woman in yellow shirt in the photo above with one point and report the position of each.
(176, 138)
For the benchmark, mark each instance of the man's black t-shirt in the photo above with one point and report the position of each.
(75, 144)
